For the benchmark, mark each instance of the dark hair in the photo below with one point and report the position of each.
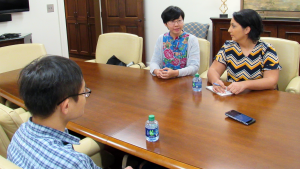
(171, 13)
(48, 80)
(249, 17)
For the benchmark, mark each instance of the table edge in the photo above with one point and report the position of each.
(129, 148)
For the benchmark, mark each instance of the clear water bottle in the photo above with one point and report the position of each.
(197, 83)
(151, 127)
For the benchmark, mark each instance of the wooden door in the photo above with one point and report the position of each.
(81, 9)
(72, 36)
(83, 37)
(81, 28)
(124, 16)
(91, 26)
(70, 9)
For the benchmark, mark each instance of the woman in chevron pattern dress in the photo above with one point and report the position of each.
(250, 63)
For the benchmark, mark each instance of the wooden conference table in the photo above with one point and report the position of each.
(194, 132)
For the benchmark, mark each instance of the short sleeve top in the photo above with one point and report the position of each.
(240, 67)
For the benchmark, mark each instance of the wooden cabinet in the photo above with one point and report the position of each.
(286, 29)
(220, 33)
(80, 20)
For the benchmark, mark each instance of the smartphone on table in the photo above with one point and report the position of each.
(240, 117)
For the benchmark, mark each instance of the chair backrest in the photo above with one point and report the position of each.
(10, 121)
(204, 55)
(17, 56)
(198, 29)
(126, 47)
(6, 164)
(4, 142)
(288, 52)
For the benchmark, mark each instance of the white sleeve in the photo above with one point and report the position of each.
(193, 58)
(157, 61)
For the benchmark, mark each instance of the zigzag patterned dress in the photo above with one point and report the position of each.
(240, 67)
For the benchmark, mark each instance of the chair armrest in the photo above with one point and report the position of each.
(11, 104)
(6, 164)
(88, 146)
(96, 151)
(5, 108)
(147, 68)
(294, 86)
(91, 61)
(140, 65)
(23, 114)
(2, 100)
(204, 74)
(223, 77)
(4, 142)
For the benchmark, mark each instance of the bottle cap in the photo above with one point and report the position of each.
(196, 75)
(151, 117)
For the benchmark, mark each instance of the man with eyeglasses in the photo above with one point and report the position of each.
(176, 52)
(54, 91)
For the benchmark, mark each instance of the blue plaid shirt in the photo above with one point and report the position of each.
(36, 146)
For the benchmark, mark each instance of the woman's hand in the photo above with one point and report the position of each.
(237, 87)
(219, 89)
(214, 73)
(158, 72)
(168, 73)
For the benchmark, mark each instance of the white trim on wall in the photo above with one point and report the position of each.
(62, 28)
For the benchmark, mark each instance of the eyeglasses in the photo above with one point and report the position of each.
(179, 22)
(87, 93)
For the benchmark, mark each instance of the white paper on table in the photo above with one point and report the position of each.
(227, 93)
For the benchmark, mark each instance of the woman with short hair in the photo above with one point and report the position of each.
(250, 63)
(176, 52)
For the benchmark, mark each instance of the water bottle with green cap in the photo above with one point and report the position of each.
(151, 128)
(197, 83)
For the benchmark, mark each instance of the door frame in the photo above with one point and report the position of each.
(62, 28)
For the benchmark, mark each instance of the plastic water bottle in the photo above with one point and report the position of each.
(151, 127)
(197, 83)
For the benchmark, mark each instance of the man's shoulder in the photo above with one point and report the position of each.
(21, 132)
(37, 146)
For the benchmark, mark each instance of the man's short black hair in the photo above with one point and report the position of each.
(249, 17)
(171, 13)
(48, 80)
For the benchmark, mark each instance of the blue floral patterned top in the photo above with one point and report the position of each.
(175, 51)
(191, 52)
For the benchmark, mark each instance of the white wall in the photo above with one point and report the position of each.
(195, 11)
(46, 28)
(50, 28)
